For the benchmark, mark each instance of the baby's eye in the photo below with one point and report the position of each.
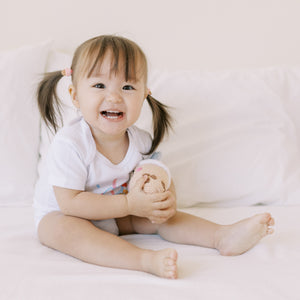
(128, 87)
(99, 86)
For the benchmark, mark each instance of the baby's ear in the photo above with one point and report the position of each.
(148, 93)
(73, 94)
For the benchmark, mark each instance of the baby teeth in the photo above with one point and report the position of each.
(110, 114)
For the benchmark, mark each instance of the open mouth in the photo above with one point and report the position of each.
(108, 114)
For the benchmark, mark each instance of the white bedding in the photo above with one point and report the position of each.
(268, 271)
(236, 143)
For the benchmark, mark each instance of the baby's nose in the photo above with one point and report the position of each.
(114, 97)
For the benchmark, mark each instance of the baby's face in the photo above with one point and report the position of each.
(109, 102)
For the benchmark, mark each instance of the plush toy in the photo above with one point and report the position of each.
(159, 177)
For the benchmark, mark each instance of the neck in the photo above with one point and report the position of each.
(113, 148)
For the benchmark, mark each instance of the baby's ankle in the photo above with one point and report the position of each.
(219, 238)
(146, 260)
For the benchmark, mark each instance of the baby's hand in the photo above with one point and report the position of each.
(157, 207)
(166, 208)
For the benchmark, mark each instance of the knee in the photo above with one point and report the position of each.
(50, 228)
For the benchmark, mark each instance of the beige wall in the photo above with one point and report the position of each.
(206, 34)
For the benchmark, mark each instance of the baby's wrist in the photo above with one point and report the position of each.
(126, 205)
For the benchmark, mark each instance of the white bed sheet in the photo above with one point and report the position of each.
(271, 270)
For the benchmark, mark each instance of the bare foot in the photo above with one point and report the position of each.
(162, 263)
(239, 237)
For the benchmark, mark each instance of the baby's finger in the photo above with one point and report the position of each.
(165, 204)
(160, 220)
(165, 214)
(158, 197)
(157, 220)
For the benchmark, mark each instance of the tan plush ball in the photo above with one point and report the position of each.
(159, 178)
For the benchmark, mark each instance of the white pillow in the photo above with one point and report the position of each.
(20, 70)
(233, 143)
(289, 90)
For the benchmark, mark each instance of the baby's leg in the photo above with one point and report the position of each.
(81, 239)
(232, 239)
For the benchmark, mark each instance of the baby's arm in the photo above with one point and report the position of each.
(93, 206)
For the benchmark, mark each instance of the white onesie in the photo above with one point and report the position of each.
(73, 162)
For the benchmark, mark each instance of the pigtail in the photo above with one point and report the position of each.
(162, 121)
(48, 102)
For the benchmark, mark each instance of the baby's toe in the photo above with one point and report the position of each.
(271, 222)
(171, 271)
(270, 230)
(265, 218)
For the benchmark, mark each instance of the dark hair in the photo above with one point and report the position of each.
(88, 57)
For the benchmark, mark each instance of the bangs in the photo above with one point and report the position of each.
(126, 56)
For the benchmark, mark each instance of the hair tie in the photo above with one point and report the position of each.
(67, 72)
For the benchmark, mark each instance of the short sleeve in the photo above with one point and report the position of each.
(142, 140)
(66, 166)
